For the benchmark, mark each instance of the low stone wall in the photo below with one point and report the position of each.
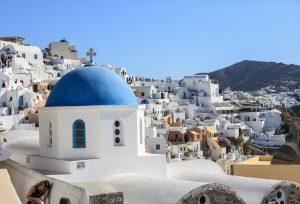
(212, 193)
(110, 198)
(8, 194)
(23, 178)
(284, 191)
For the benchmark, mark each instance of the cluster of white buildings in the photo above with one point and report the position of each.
(28, 75)
(174, 108)
(270, 97)
(101, 128)
(171, 107)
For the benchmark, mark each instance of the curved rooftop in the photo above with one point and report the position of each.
(91, 85)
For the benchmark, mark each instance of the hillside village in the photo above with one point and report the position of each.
(201, 131)
(185, 118)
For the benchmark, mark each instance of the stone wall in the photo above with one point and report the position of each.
(211, 193)
(111, 198)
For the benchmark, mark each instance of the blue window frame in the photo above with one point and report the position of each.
(79, 140)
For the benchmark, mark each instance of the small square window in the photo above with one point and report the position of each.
(35, 56)
(80, 165)
(23, 55)
(157, 146)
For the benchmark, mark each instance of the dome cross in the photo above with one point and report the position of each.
(90, 53)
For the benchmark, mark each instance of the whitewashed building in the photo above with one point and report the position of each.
(157, 145)
(81, 133)
(253, 120)
(63, 50)
(17, 47)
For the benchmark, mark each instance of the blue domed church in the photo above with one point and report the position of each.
(92, 127)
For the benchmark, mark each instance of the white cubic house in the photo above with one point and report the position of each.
(92, 128)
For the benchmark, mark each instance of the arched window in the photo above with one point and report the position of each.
(79, 134)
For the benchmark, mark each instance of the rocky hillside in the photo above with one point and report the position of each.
(253, 75)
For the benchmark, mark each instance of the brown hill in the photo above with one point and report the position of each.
(253, 75)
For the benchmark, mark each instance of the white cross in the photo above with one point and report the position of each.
(91, 53)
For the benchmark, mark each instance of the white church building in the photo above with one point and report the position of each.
(92, 128)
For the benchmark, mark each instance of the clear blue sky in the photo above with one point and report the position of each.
(160, 38)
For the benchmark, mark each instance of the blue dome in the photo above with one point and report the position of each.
(91, 85)
(144, 101)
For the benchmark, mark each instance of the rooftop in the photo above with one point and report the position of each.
(258, 160)
(15, 39)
